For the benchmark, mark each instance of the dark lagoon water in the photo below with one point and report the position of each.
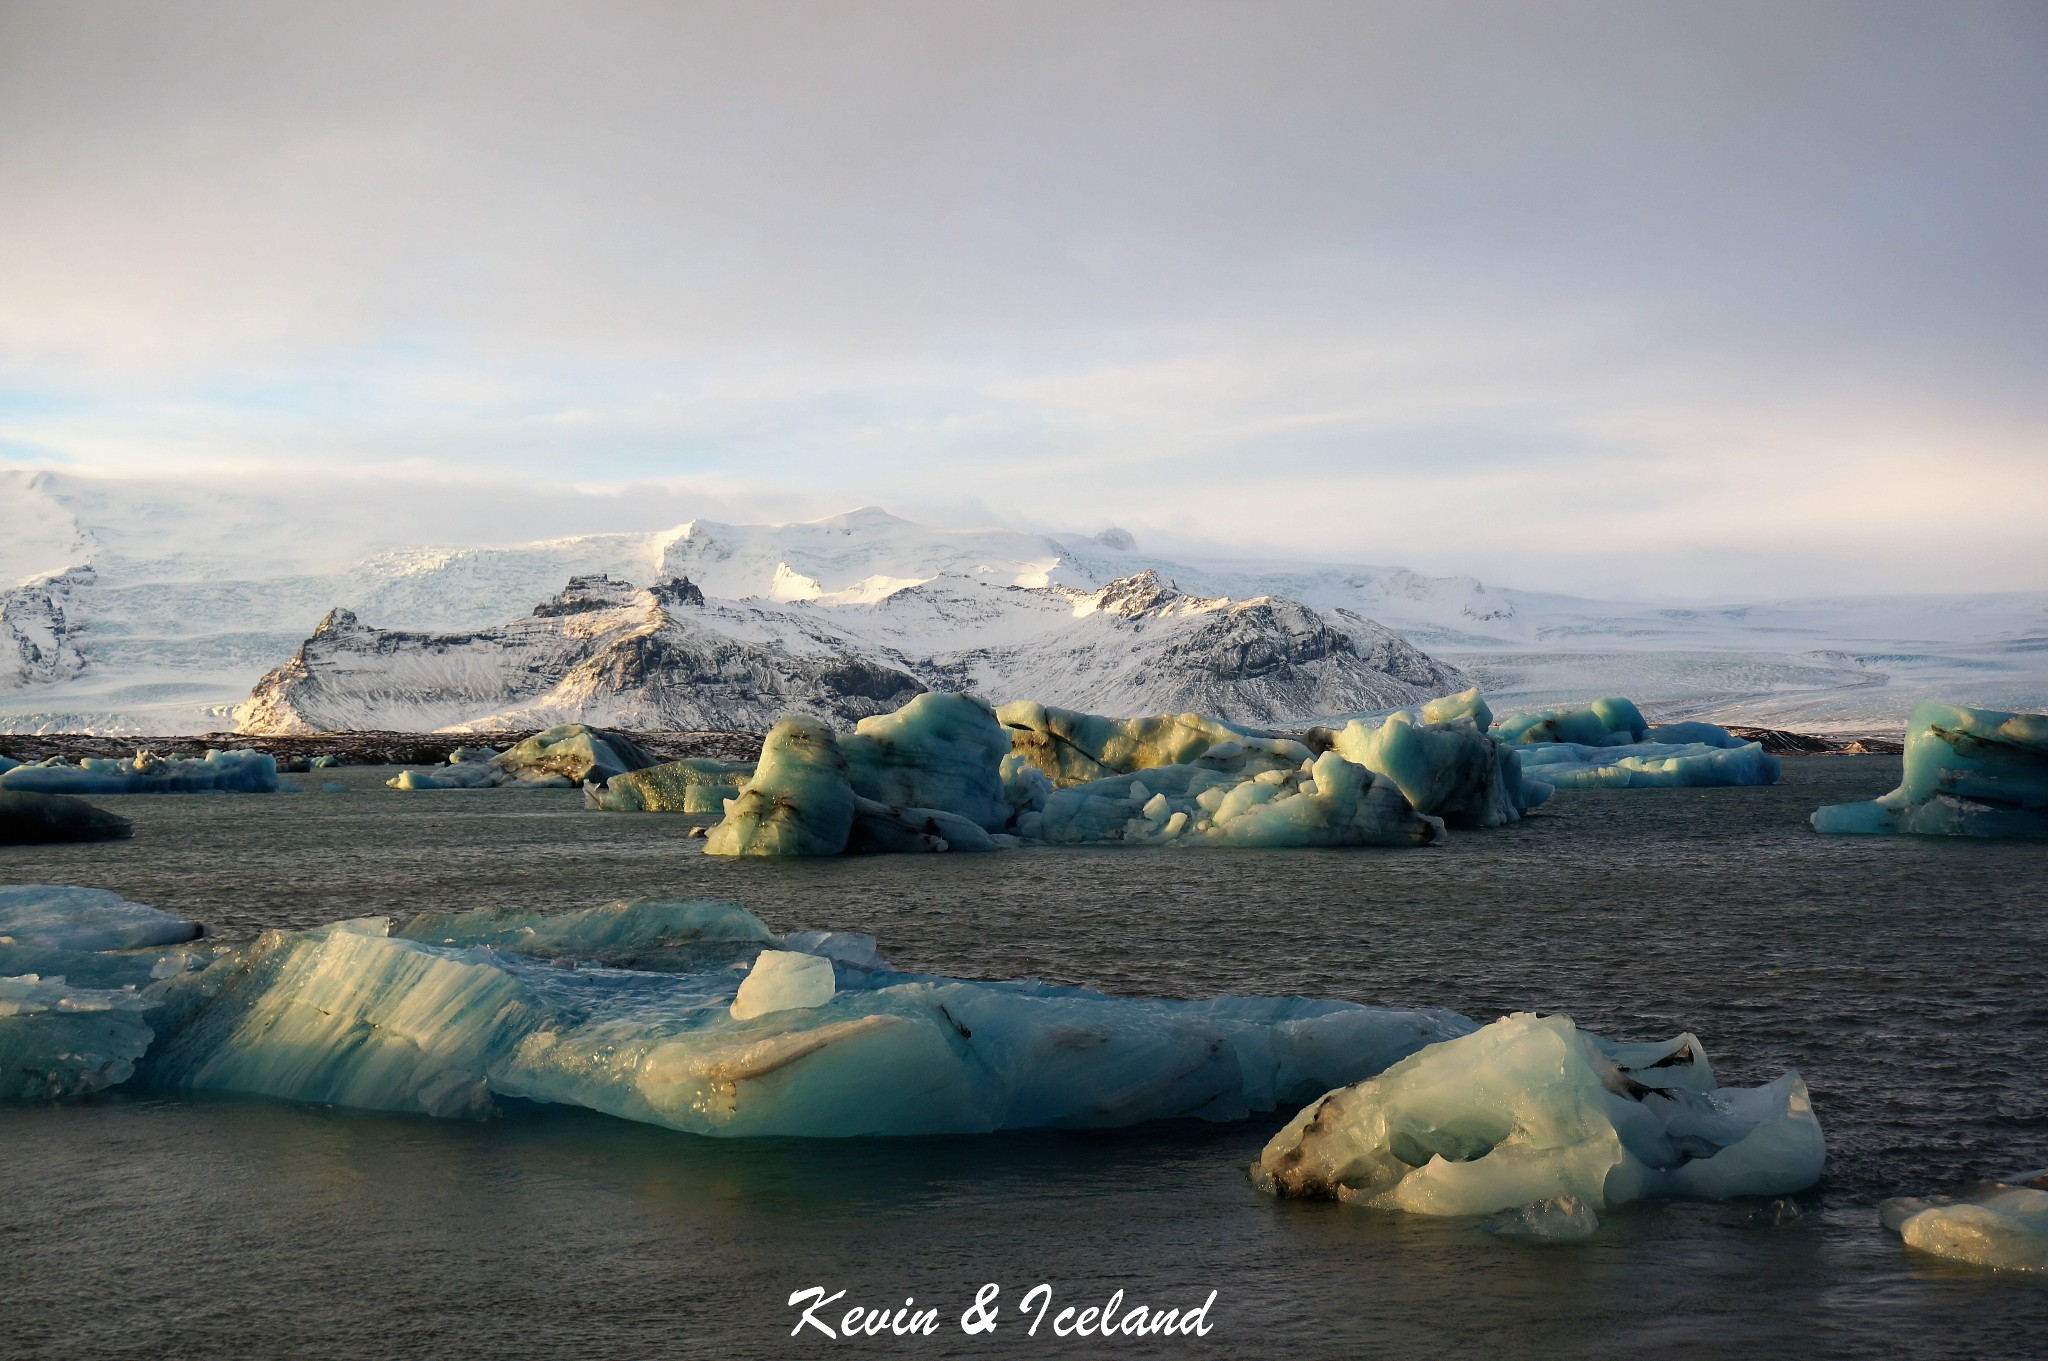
(1906, 978)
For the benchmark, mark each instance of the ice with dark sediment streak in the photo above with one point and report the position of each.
(1968, 772)
(1532, 1114)
(695, 784)
(564, 756)
(1070, 747)
(218, 772)
(2002, 1225)
(719, 1027)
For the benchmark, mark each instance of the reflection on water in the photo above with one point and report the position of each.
(1907, 979)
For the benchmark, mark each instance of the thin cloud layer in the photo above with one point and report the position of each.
(1653, 297)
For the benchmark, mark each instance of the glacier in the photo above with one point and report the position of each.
(1968, 772)
(2002, 1225)
(1525, 1112)
(154, 607)
(239, 772)
(42, 819)
(720, 1028)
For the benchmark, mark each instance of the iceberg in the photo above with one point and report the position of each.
(242, 772)
(801, 801)
(1528, 1112)
(1327, 801)
(697, 784)
(1608, 745)
(1072, 748)
(1611, 722)
(2002, 1225)
(1968, 772)
(941, 751)
(573, 752)
(1647, 765)
(1443, 760)
(564, 757)
(737, 1032)
(85, 919)
(42, 819)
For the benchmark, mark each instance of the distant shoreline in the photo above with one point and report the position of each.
(416, 749)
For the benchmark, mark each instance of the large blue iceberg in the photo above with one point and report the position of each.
(238, 772)
(717, 1027)
(1444, 761)
(1968, 772)
(1535, 1119)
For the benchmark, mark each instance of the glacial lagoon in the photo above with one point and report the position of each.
(1906, 978)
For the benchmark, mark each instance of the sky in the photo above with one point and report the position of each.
(1605, 297)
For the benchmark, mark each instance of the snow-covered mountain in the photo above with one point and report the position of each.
(666, 657)
(129, 607)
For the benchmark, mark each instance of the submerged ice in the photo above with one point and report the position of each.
(1968, 772)
(1532, 1115)
(718, 1027)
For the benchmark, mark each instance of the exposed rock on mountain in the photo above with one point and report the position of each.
(36, 642)
(601, 652)
(607, 652)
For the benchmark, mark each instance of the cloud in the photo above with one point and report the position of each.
(1698, 298)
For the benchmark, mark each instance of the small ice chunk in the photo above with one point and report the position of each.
(783, 980)
(2003, 1225)
(1561, 1219)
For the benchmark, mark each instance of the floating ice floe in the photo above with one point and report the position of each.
(1444, 762)
(88, 919)
(564, 757)
(1607, 745)
(940, 751)
(28, 819)
(240, 772)
(2003, 1225)
(717, 1031)
(1531, 1116)
(1968, 772)
(696, 784)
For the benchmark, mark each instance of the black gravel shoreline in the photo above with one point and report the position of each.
(429, 748)
(358, 748)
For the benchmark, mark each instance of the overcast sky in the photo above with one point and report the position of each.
(1688, 297)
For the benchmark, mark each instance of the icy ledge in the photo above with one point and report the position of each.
(1547, 1125)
